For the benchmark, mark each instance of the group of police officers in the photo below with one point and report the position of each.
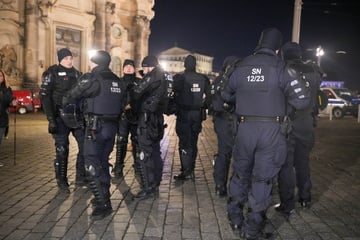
(263, 109)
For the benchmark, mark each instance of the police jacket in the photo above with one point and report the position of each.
(217, 102)
(101, 90)
(190, 88)
(303, 120)
(262, 85)
(151, 92)
(56, 81)
(6, 98)
(311, 77)
(131, 81)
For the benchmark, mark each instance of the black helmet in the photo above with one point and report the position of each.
(270, 38)
(72, 116)
(290, 51)
(101, 58)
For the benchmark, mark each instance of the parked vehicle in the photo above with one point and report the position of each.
(341, 102)
(27, 101)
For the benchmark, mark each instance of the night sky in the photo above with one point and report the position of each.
(233, 27)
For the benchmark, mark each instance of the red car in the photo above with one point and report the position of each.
(27, 101)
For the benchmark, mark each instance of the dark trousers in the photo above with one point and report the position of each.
(188, 128)
(259, 152)
(296, 171)
(125, 128)
(150, 131)
(97, 151)
(62, 145)
(225, 125)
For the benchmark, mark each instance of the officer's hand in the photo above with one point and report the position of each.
(229, 107)
(53, 128)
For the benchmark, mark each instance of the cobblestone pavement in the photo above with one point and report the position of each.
(32, 208)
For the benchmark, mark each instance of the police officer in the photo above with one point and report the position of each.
(56, 80)
(225, 122)
(103, 94)
(301, 138)
(128, 120)
(151, 94)
(261, 86)
(190, 88)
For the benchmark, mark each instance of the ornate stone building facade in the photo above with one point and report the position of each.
(172, 60)
(31, 32)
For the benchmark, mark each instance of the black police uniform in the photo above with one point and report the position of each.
(301, 139)
(151, 94)
(103, 95)
(56, 81)
(225, 121)
(127, 125)
(190, 88)
(261, 87)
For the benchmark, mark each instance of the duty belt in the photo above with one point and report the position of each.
(259, 119)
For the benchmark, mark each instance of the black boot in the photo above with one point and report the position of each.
(145, 194)
(147, 190)
(60, 166)
(121, 148)
(235, 215)
(185, 175)
(101, 204)
(101, 211)
(284, 210)
(220, 190)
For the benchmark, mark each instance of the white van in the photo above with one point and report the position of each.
(341, 102)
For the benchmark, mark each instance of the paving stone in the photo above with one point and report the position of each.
(32, 208)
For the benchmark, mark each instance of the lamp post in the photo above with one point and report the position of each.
(296, 21)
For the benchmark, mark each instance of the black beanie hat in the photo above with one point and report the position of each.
(290, 51)
(149, 61)
(101, 58)
(190, 62)
(64, 52)
(129, 62)
(270, 38)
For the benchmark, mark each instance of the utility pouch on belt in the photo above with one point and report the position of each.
(286, 126)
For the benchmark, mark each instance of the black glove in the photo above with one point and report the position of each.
(229, 107)
(53, 128)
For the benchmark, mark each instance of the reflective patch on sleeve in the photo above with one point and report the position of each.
(294, 82)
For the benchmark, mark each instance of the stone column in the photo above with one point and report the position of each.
(100, 28)
(31, 45)
(142, 28)
(110, 10)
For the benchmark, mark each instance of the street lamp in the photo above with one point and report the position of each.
(319, 53)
